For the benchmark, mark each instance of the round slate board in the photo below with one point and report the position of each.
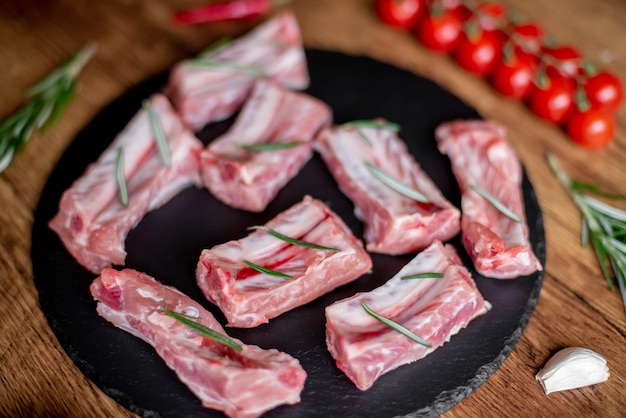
(167, 243)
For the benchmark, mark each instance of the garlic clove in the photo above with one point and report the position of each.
(571, 368)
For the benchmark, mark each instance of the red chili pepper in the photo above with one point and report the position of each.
(226, 11)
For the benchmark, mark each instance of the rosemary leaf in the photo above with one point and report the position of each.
(159, 135)
(425, 275)
(45, 104)
(603, 260)
(224, 65)
(372, 123)
(364, 137)
(501, 207)
(265, 270)
(272, 146)
(396, 327)
(596, 190)
(214, 48)
(605, 224)
(604, 209)
(7, 157)
(584, 234)
(395, 184)
(192, 323)
(121, 178)
(294, 241)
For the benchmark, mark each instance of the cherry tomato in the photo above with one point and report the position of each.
(593, 129)
(478, 53)
(440, 31)
(399, 13)
(604, 91)
(513, 75)
(564, 59)
(491, 16)
(529, 36)
(553, 102)
(458, 7)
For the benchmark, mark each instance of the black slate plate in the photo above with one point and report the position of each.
(167, 243)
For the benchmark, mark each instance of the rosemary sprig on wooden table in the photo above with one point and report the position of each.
(46, 102)
(603, 224)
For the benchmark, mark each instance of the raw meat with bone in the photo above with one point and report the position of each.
(214, 88)
(242, 384)
(394, 223)
(481, 156)
(249, 298)
(249, 179)
(92, 222)
(432, 308)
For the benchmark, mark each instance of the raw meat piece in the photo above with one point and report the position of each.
(481, 156)
(434, 309)
(216, 89)
(242, 383)
(249, 298)
(250, 179)
(92, 222)
(394, 224)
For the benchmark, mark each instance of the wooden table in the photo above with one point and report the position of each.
(136, 39)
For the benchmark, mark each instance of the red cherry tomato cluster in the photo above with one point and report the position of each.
(554, 81)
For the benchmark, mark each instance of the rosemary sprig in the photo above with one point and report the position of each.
(603, 225)
(294, 241)
(46, 102)
(425, 275)
(224, 65)
(206, 59)
(159, 135)
(395, 184)
(120, 178)
(370, 123)
(501, 207)
(272, 146)
(192, 323)
(396, 327)
(267, 271)
(214, 48)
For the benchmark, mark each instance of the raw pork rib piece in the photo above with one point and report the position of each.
(434, 309)
(240, 383)
(249, 298)
(92, 222)
(250, 179)
(394, 224)
(216, 89)
(481, 156)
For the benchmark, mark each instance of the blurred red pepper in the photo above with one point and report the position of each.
(226, 11)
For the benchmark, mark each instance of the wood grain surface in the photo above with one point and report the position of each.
(136, 39)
